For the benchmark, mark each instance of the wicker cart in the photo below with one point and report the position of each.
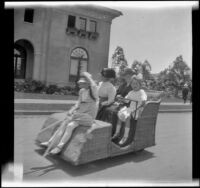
(92, 143)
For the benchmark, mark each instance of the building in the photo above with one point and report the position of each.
(54, 45)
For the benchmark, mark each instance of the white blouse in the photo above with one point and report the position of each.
(107, 90)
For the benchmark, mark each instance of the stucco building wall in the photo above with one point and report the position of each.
(52, 46)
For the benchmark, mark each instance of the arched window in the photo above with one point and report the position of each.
(19, 62)
(79, 63)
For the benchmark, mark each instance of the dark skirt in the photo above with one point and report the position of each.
(109, 114)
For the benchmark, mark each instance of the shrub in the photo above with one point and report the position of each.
(34, 86)
(29, 86)
(38, 86)
(52, 89)
(19, 87)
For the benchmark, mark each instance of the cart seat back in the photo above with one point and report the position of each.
(145, 127)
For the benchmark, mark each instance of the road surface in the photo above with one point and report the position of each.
(169, 161)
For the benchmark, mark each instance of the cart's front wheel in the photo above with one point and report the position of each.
(141, 150)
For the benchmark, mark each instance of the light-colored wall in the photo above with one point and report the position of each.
(61, 45)
(52, 46)
(32, 32)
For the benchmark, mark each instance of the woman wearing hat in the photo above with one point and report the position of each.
(125, 87)
(106, 92)
(109, 112)
(82, 114)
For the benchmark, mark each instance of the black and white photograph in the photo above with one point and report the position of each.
(102, 94)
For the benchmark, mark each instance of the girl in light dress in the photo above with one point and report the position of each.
(82, 114)
(137, 98)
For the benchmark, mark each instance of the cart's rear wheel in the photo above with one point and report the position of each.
(141, 150)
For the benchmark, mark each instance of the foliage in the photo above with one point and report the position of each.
(119, 61)
(143, 68)
(29, 85)
(33, 86)
(146, 70)
(137, 66)
(175, 75)
(52, 89)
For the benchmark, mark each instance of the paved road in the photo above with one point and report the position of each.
(169, 161)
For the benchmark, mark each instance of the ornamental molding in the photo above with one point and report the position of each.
(104, 14)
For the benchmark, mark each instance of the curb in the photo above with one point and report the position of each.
(32, 112)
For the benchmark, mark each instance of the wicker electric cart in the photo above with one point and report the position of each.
(93, 143)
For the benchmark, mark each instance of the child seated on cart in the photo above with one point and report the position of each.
(137, 98)
(82, 114)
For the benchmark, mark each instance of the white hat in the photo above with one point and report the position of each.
(82, 80)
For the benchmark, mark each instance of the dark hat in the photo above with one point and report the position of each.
(128, 71)
(108, 73)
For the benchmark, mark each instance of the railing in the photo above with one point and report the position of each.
(82, 33)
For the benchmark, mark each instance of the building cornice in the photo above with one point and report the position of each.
(97, 12)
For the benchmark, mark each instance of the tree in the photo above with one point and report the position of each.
(143, 68)
(177, 73)
(146, 70)
(137, 66)
(119, 62)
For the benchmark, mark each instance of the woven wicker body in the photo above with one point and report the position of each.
(88, 144)
(145, 131)
(92, 143)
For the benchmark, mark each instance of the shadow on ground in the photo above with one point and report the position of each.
(84, 169)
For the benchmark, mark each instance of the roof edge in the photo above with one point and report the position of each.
(112, 12)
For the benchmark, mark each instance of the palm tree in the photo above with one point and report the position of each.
(119, 62)
(137, 66)
(143, 68)
(146, 69)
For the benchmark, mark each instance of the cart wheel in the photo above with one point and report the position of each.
(140, 150)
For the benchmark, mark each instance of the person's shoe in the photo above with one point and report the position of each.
(116, 138)
(123, 142)
(44, 144)
(56, 150)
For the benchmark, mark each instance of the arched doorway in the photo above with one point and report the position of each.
(78, 63)
(23, 59)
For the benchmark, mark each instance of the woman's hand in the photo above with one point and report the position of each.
(104, 103)
(121, 99)
(118, 96)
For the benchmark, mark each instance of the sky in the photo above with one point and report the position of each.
(158, 35)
